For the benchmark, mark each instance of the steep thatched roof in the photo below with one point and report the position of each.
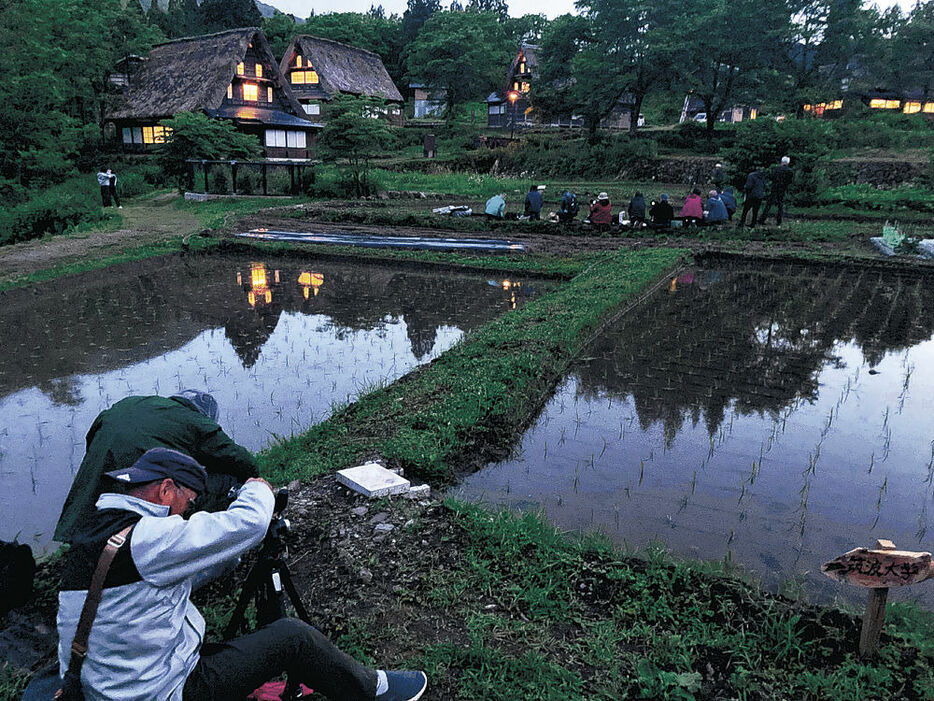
(343, 68)
(191, 75)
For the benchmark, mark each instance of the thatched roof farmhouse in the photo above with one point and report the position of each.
(229, 75)
(318, 69)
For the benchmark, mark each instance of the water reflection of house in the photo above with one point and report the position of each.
(248, 332)
(230, 75)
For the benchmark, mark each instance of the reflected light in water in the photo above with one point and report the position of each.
(258, 283)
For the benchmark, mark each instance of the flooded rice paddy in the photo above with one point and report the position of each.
(279, 343)
(778, 417)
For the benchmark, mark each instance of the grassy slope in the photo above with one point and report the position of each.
(472, 399)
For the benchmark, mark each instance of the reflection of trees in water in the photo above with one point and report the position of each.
(756, 338)
(100, 322)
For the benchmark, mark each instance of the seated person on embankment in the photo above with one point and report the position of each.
(186, 421)
(496, 207)
(146, 639)
(601, 214)
(662, 213)
(716, 210)
(693, 210)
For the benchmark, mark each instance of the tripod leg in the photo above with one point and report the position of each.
(237, 620)
(293, 593)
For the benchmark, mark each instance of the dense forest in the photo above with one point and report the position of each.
(59, 53)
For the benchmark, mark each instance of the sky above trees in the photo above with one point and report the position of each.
(517, 8)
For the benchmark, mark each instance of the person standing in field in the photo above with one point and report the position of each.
(103, 179)
(780, 177)
(753, 194)
(113, 188)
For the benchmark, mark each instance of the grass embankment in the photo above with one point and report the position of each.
(471, 400)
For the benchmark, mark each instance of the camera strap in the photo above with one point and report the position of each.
(79, 646)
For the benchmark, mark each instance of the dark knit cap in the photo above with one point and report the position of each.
(161, 463)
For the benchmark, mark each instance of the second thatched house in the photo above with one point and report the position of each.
(229, 75)
(318, 69)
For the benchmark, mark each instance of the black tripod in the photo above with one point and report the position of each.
(269, 583)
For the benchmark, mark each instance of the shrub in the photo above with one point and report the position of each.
(865, 196)
(139, 179)
(54, 211)
(763, 142)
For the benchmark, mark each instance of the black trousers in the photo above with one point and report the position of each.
(753, 204)
(113, 193)
(105, 195)
(778, 199)
(230, 671)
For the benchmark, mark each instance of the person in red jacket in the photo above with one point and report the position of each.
(600, 211)
(693, 210)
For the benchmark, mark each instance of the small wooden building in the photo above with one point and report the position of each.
(229, 75)
(318, 69)
(428, 103)
(694, 106)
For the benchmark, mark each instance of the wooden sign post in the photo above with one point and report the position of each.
(878, 569)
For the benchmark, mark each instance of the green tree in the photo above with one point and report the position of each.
(56, 61)
(526, 29)
(181, 18)
(720, 66)
(416, 14)
(195, 137)
(353, 134)
(279, 30)
(497, 7)
(379, 34)
(462, 55)
(218, 15)
(913, 51)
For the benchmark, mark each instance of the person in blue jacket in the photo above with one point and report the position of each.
(715, 211)
(533, 203)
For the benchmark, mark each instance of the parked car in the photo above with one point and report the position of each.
(700, 117)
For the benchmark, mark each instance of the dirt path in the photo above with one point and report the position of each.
(145, 222)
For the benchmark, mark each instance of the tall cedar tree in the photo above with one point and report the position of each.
(218, 15)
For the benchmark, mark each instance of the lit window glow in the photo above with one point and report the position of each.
(304, 78)
(298, 61)
(911, 107)
(259, 70)
(230, 92)
(240, 68)
(835, 105)
(269, 94)
(525, 87)
(878, 103)
(250, 92)
(155, 135)
(753, 113)
(928, 108)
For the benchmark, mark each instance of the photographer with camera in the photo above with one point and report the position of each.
(146, 641)
(186, 422)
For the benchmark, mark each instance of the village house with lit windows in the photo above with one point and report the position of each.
(912, 102)
(512, 108)
(318, 69)
(230, 75)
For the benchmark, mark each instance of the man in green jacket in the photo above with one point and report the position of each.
(186, 422)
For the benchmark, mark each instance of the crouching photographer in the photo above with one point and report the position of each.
(146, 637)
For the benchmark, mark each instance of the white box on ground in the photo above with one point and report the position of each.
(373, 480)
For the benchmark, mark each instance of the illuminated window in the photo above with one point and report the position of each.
(250, 92)
(268, 94)
(230, 92)
(515, 86)
(259, 70)
(311, 77)
(753, 113)
(525, 87)
(297, 77)
(911, 107)
(147, 135)
(808, 108)
(877, 104)
(928, 108)
(298, 61)
(893, 104)
(522, 67)
(835, 105)
(240, 68)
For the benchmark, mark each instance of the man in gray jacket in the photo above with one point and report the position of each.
(147, 639)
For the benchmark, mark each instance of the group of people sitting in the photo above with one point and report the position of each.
(717, 209)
